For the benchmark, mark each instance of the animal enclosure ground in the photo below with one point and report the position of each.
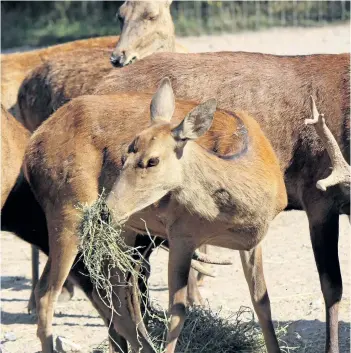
(290, 271)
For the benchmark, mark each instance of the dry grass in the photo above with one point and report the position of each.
(102, 247)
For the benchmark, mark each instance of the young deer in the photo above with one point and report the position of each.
(236, 175)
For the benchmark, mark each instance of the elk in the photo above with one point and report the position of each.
(275, 90)
(238, 210)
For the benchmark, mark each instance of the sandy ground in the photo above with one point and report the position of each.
(290, 270)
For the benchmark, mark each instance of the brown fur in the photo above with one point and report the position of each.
(275, 90)
(14, 139)
(15, 67)
(78, 152)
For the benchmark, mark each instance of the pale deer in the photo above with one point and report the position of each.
(223, 189)
(147, 28)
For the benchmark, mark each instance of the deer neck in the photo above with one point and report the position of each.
(212, 187)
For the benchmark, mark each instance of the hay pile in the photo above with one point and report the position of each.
(102, 248)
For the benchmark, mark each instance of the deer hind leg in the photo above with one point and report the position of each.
(324, 230)
(253, 270)
(62, 225)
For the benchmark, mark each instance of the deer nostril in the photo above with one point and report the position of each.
(141, 164)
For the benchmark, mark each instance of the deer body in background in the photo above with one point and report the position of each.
(103, 128)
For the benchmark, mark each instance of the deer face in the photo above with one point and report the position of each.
(153, 165)
(147, 27)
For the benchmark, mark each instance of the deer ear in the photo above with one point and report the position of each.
(197, 122)
(162, 103)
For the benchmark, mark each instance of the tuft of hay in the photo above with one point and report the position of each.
(102, 248)
(207, 331)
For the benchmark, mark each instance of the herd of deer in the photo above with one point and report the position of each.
(214, 172)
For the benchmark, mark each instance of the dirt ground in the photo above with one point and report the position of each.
(291, 274)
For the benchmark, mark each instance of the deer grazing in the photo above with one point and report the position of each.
(93, 64)
(239, 206)
(273, 89)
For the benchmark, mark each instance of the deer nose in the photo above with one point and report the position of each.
(116, 58)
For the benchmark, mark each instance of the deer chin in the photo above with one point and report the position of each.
(124, 207)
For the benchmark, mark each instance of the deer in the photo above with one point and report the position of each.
(14, 139)
(15, 67)
(146, 28)
(242, 168)
(273, 89)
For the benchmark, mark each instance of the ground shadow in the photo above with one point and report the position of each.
(15, 283)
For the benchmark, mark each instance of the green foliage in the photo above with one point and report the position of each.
(39, 23)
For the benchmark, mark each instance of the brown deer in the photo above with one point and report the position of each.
(223, 176)
(14, 139)
(275, 90)
(16, 66)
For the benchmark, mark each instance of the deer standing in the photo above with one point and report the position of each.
(239, 204)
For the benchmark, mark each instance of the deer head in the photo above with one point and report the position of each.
(153, 165)
(147, 27)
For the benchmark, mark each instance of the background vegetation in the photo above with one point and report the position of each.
(40, 23)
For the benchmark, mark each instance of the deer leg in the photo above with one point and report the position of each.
(324, 231)
(35, 278)
(253, 270)
(62, 226)
(180, 255)
(200, 276)
(193, 294)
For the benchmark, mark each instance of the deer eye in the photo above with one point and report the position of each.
(152, 162)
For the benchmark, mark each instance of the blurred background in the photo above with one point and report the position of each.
(41, 23)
